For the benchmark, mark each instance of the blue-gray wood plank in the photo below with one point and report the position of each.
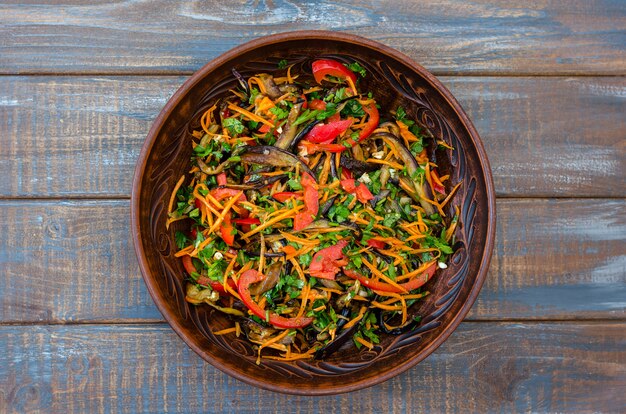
(483, 367)
(452, 36)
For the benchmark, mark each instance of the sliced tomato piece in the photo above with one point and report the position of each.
(326, 133)
(311, 203)
(251, 276)
(323, 68)
(363, 194)
(327, 262)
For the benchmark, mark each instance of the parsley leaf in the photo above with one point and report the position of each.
(181, 239)
(279, 112)
(233, 125)
(283, 64)
(294, 184)
(254, 92)
(438, 244)
(356, 68)
(353, 108)
(401, 116)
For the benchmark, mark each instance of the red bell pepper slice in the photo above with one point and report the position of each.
(247, 220)
(377, 244)
(326, 133)
(370, 126)
(327, 262)
(227, 230)
(386, 287)
(328, 67)
(361, 191)
(252, 276)
(286, 195)
(311, 203)
(205, 281)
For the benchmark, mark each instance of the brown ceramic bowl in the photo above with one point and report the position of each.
(395, 80)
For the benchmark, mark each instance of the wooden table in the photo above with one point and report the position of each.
(544, 85)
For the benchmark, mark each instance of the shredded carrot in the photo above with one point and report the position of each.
(204, 122)
(305, 296)
(415, 272)
(296, 266)
(250, 115)
(455, 222)
(184, 252)
(229, 269)
(381, 275)
(270, 342)
(364, 342)
(392, 164)
(356, 319)
(225, 331)
(173, 195)
(449, 197)
(227, 208)
(352, 87)
(276, 219)
(323, 177)
(386, 307)
(254, 79)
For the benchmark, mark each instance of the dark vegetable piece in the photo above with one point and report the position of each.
(302, 134)
(342, 338)
(272, 276)
(258, 183)
(270, 86)
(242, 81)
(288, 135)
(412, 168)
(276, 157)
(327, 205)
(357, 167)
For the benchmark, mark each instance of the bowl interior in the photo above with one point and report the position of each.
(394, 81)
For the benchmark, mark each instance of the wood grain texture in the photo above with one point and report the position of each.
(545, 137)
(73, 261)
(484, 367)
(502, 37)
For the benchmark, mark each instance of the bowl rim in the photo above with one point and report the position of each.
(175, 99)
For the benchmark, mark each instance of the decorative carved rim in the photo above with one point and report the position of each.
(430, 118)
